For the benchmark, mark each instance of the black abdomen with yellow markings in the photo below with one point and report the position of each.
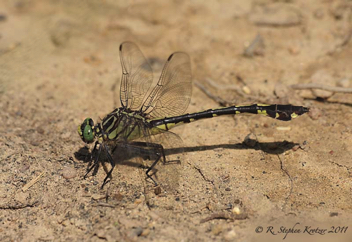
(146, 112)
(280, 112)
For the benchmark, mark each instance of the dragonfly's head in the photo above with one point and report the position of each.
(86, 130)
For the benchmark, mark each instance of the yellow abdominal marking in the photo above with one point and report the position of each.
(263, 112)
(294, 115)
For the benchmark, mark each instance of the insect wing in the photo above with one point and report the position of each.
(172, 94)
(137, 76)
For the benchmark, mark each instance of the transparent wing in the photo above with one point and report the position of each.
(137, 76)
(165, 174)
(172, 94)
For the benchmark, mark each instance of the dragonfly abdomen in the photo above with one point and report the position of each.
(280, 112)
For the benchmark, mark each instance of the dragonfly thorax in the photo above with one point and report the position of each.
(122, 124)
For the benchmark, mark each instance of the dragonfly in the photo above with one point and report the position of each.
(148, 111)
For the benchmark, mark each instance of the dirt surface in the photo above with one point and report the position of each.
(59, 63)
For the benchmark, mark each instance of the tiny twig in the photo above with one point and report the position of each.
(102, 204)
(19, 206)
(32, 182)
(321, 87)
(230, 88)
(224, 87)
(231, 217)
(219, 100)
(201, 173)
(255, 48)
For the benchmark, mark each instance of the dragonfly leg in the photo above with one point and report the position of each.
(159, 152)
(91, 158)
(112, 165)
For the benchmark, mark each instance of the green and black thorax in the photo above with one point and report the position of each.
(121, 125)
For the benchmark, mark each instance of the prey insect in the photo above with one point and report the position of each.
(147, 112)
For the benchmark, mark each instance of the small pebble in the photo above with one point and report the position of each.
(118, 197)
(101, 234)
(230, 236)
(236, 210)
(145, 233)
(246, 90)
(250, 140)
(40, 130)
(157, 190)
(135, 232)
(34, 142)
(314, 113)
(98, 197)
(69, 173)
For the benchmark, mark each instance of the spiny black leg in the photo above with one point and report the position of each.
(150, 168)
(96, 158)
(112, 165)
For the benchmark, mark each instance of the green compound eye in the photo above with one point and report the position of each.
(88, 134)
(86, 130)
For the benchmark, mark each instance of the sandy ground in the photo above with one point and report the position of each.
(59, 64)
